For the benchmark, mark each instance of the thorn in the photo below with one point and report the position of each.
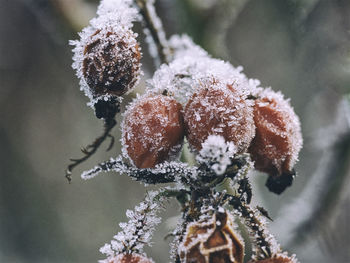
(264, 212)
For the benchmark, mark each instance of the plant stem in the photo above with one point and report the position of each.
(155, 27)
(92, 148)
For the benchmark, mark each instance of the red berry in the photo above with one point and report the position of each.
(111, 63)
(153, 130)
(130, 258)
(278, 139)
(219, 109)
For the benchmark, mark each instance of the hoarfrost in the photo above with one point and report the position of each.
(138, 231)
(166, 172)
(288, 126)
(191, 64)
(113, 16)
(216, 153)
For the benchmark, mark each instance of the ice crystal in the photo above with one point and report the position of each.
(221, 109)
(191, 64)
(166, 172)
(279, 138)
(216, 153)
(138, 231)
(112, 25)
(162, 132)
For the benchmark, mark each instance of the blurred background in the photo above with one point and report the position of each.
(301, 47)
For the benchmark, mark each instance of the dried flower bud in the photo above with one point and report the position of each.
(212, 242)
(278, 258)
(130, 258)
(219, 109)
(111, 62)
(278, 139)
(153, 130)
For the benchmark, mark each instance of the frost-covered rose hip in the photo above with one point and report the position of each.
(214, 241)
(111, 62)
(278, 139)
(130, 258)
(219, 109)
(153, 130)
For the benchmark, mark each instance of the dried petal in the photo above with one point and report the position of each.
(212, 242)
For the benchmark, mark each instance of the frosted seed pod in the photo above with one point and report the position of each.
(215, 241)
(278, 138)
(219, 109)
(111, 62)
(130, 258)
(153, 130)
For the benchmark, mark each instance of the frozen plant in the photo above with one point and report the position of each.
(193, 103)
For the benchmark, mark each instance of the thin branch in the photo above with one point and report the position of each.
(265, 242)
(92, 148)
(155, 27)
(168, 172)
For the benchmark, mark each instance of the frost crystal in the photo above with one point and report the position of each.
(152, 130)
(216, 153)
(112, 25)
(191, 64)
(138, 231)
(278, 135)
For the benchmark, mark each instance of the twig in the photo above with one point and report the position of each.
(154, 25)
(168, 172)
(92, 148)
(263, 239)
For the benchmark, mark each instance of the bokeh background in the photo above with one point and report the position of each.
(301, 47)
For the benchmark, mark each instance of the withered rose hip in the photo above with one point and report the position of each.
(153, 130)
(219, 109)
(212, 242)
(278, 139)
(111, 63)
(130, 258)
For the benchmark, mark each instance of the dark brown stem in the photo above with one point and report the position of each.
(257, 228)
(154, 25)
(92, 148)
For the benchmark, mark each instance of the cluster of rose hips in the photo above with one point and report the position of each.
(254, 121)
(155, 125)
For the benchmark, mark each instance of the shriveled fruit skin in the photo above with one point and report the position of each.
(217, 109)
(111, 63)
(130, 258)
(278, 138)
(153, 130)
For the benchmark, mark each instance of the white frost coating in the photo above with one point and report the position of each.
(138, 231)
(113, 16)
(216, 153)
(122, 12)
(157, 24)
(158, 116)
(191, 64)
(199, 233)
(183, 45)
(291, 124)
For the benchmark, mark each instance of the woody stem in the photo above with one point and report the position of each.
(155, 28)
